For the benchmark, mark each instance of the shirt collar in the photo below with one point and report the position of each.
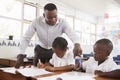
(46, 23)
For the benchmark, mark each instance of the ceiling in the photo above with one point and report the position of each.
(93, 7)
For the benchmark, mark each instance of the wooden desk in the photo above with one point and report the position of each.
(103, 78)
(70, 76)
(10, 62)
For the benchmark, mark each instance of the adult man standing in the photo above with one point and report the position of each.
(47, 27)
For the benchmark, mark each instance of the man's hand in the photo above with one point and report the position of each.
(77, 50)
(19, 61)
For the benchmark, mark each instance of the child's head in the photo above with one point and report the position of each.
(59, 46)
(102, 49)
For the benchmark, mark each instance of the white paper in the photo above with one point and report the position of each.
(70, 76)
(9, 70)
(26, 71)
(32, 71)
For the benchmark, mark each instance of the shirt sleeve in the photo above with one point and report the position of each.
(70, 33)
(52, 59)
(27, 37)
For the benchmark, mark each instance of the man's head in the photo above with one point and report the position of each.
(59, 46)
(102, 49)
(50, 13)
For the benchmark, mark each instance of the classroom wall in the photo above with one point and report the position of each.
(10, 49)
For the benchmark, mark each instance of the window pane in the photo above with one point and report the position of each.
(92, 28)
(85, 27)
(29, 12)
(92, 39)
(78, 26)
(10, 27)
(11, 8)
(85, 39)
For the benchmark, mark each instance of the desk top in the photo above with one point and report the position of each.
(41, 74)
(71, 76)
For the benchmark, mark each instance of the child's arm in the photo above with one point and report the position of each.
(111, 74)
(62, 68)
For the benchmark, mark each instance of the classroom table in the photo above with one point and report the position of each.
(41, 74)
(12, 61)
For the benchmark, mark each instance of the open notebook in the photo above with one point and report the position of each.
(26, 71)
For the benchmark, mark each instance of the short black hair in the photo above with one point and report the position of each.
(106, 42)
(60, 43)
(50, 7)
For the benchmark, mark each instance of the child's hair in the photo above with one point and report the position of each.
(60, 43)
(107, 43)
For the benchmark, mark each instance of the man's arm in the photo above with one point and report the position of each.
(111, 74)
(24, 43)
(62, 68)
(73, 37)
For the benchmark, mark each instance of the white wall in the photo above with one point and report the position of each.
(11, 51)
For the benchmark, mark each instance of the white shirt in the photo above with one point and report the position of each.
(67, 59)
(91, 65)
(47, 33)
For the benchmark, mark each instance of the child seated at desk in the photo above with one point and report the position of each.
(62, 59)
(101, 64)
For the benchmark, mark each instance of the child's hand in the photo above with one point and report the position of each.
(40, 65)
(50, 68)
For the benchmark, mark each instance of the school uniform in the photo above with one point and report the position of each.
(67, 59)
(91, 65)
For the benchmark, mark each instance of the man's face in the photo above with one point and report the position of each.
(50, 17)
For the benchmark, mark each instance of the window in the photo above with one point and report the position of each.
(85, 39)
(10, 27)
(85, 27)
(29, 12)
(92, 28)
(70, 21)
(11, 8)
(78, 25)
